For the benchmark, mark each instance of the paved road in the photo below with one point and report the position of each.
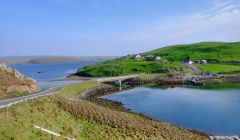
(194, 68)
(9, 102)
(108, 79)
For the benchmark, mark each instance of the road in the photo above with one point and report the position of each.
(194, 68)
(9, 102)
(190, 74)
(109, 79)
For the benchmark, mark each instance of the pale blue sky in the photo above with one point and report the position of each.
(112, 27)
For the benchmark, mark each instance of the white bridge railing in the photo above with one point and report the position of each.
(108, 79)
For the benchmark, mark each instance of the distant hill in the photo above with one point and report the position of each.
(213, 52)
(49, 59)
(13, 83)
(17, 59)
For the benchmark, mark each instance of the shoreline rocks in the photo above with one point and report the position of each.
(98, 90)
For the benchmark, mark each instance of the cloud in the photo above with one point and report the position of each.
(218, 23)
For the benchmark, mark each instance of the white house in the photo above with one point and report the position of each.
(188, 62)
(201, 62)
(204, 61)
(138, 57)
(158, 58)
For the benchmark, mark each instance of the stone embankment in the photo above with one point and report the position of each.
(158, 80)
(181, 79)
(97, 90)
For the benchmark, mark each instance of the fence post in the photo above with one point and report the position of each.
(7, 110)
(19, 107)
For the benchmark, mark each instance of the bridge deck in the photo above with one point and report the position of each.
(109, 79)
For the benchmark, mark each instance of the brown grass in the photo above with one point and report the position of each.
(130, 125)
(9, 79)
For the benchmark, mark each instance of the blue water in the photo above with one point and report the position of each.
(214, 111)
(51, 71)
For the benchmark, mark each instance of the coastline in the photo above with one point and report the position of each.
(82, 103)
(94, 95)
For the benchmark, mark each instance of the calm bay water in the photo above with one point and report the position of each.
(215, 111)
(52, 71)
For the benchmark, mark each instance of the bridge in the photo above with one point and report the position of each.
(117, 78)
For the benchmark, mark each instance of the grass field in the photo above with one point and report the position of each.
(81, 119)
(123, 66)
(219, 68)
(219, 86)
(214, 52)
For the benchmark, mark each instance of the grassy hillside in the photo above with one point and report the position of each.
(213, 52)
(220, 68)
(124, 66)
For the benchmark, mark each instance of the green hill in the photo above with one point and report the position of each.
(216, 53)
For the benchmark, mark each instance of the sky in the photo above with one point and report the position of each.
(112, 27)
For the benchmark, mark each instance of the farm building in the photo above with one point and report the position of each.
(158, 58)
(150, 57)
(188, 62)
(201, 62)
(137, 57)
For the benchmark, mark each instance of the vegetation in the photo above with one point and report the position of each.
(81, 119)
(7, 79)
(226, 54)
(13, 86)
(18, 121)
(220, 68)
(213, 52)
(75, 89)
(219, 86)
(125, 66)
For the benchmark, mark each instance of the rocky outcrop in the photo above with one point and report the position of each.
(13, 82)
(4, 67)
